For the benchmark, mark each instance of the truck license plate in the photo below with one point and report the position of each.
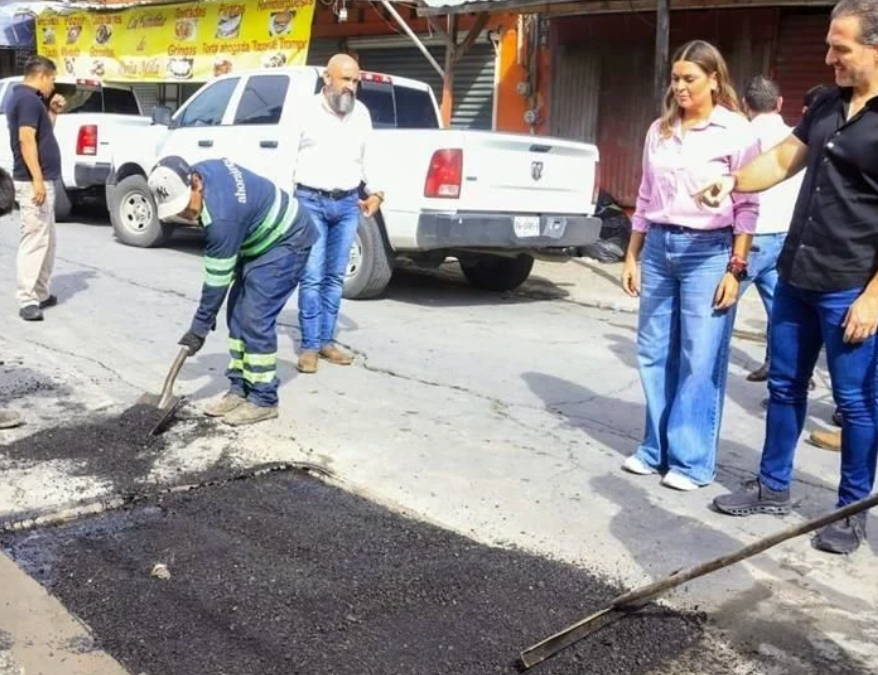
(527, 226)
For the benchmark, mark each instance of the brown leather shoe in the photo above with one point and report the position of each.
(759, 375)
(308, 362)
(335, 355)
(827, 440)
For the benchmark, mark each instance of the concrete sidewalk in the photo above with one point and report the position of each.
(39, 637)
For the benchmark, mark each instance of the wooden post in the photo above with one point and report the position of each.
(662, 42)
(448, 80)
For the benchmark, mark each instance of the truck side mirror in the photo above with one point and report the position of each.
(161, 115)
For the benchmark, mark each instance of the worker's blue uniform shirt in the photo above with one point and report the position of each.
(245, 217)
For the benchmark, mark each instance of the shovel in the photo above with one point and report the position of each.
(166, 402)
(640, 597)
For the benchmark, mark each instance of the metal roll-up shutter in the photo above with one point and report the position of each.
(148, 95)
(800, 58)
(473, 78)
(320, 51)
(576, 86)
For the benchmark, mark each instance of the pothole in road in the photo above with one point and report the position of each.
(285, 574)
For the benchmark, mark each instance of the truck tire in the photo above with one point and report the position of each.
(63, 203)
(370, 266)
(133, 214)
(497, 273)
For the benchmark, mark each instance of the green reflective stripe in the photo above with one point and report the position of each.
(236, 345)
(218, 280)
(267, 223)
(259, 378)
(236, 364)
(260, 359)
(220, 265)
(276, 234)
(206, 218)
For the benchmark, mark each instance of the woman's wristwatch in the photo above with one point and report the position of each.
(737, 267)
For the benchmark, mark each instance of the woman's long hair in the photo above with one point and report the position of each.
(708, 58)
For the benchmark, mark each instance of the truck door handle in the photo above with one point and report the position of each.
(205, 144)
(267, 144)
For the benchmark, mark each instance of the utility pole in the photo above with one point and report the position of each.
(662, 43)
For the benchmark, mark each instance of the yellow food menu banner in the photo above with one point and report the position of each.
(177, 43)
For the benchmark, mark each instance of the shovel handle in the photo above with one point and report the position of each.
(168, 389)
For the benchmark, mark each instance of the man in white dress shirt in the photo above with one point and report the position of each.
(763, 103)
(329, 173)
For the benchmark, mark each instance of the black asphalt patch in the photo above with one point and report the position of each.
(116, 448)
(286, 575)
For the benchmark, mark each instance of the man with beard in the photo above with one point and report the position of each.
(329, 171)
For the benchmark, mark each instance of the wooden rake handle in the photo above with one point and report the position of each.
(639, 597)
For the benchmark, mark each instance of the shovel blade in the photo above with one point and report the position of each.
(168, 413)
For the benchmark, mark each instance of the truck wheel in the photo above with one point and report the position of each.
(63, 203)
(497, 273)
(133, 214)
(369, 266)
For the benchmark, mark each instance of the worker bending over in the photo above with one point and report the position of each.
(257, 241)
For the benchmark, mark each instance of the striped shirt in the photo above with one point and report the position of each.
(244, 215)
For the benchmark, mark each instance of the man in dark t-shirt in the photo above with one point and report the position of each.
(36, 167)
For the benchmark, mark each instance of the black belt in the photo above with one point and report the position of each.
(680, 229)
(329, 194)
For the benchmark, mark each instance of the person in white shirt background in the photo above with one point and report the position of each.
(329, 171)
(762, 103)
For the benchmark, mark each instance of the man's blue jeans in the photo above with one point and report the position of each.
(803, 322)
(762, 272)
(683, 349)
(321, 286)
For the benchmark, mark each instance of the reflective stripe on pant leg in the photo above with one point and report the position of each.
(234, 317)
(269, 281)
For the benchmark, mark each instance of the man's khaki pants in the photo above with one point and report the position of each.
(36, 244)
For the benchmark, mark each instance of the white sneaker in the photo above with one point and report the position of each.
(677, 481)
(636, 465)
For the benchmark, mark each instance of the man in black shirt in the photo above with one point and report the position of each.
(828, 289)
(36, 167)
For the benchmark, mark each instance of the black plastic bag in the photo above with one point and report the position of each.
(615, 231)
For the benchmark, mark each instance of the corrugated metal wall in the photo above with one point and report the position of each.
(602, 79)
(575, 93)
(148, 95)
(800, 62)
(474, 84)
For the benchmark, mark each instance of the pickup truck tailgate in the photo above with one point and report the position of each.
(527, 174)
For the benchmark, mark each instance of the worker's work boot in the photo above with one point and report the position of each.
(225, 405)
(760, 374)
(307, 362)
(249, 413)
(753, 497)
(843, 536)
(827, 440)
(9, 419)
(335, 355)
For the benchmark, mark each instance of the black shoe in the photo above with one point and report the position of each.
(752, 498)
(760, 374)
(51, 301)
(837, 418)
(31, 313)
(844, 536)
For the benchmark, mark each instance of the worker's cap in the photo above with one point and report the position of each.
(170, 183)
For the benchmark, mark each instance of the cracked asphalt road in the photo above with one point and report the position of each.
(501, 417)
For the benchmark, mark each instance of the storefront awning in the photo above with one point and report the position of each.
(568, 7)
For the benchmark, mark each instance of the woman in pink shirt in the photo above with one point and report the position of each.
(693, 261)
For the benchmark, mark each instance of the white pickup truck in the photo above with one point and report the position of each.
(494, 201)
(96, 118)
